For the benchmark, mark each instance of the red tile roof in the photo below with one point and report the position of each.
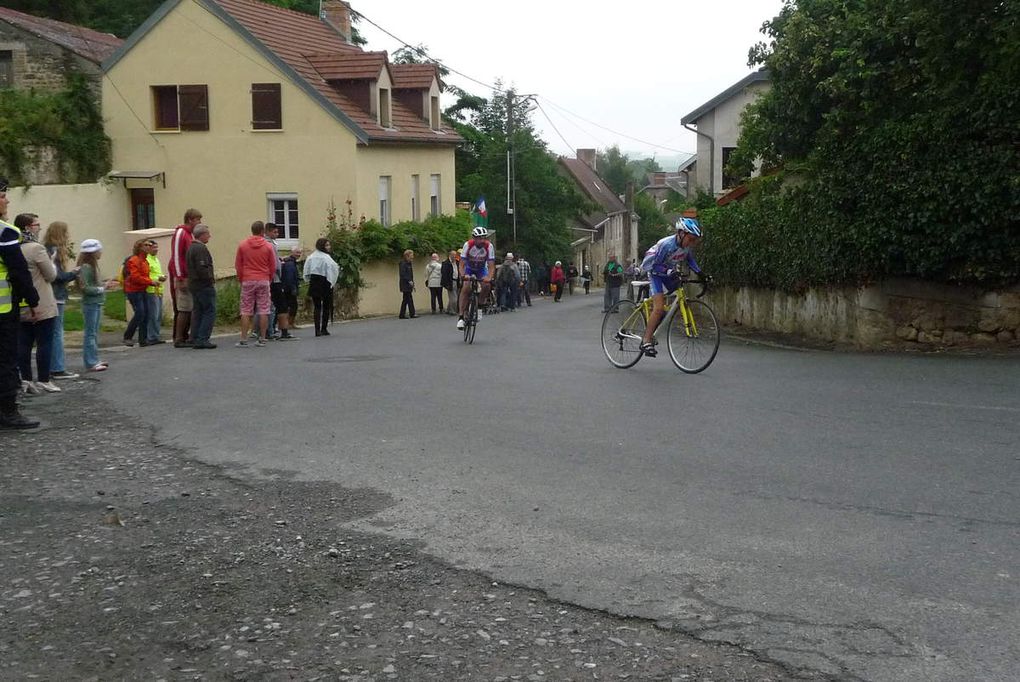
(413, 76)
(593, 185)
(84, 42)
(333, 66)
(299, 39)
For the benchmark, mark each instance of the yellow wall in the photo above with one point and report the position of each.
(227, 171)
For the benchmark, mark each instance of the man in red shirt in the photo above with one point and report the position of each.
(255, 264)
(179, 293)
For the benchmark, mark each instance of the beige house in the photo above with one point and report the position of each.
(247, 112)
(717, 124)
(610, 227)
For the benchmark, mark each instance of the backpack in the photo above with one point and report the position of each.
(124, 270)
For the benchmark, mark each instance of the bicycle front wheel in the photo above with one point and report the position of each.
(622, 329)
(471, 319)
(694, 342)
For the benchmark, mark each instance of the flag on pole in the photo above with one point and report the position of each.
(480, 214)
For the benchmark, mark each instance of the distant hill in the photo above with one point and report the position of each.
(668, 162)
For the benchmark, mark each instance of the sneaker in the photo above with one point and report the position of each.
(460, 324)
(156, 342)
(204, 346)
(48, 386)
(62, 375)
(241, 344)
(649, 349)
(183, 344)
(128, 342)
(260, 343)
(287, 337)
(16, 420)
(98, 368)
(30, 387)
(253, 335)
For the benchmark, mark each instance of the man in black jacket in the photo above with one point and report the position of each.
(15, 286)
(202, 285)
(446, 277)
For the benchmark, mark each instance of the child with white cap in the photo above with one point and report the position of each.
(93, 289)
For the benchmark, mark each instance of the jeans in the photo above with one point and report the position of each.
(523, 295)
(610, 297)
(39, 334)
(140, 316)
(57, 356)
(93, 313)
(155, 302)
(204, 315)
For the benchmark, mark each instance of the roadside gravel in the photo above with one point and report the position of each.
(125, 559)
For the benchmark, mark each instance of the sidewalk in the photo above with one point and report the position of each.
(125, 559)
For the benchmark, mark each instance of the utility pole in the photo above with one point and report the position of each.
(511, 165)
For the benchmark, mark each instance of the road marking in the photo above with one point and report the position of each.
(967, 407)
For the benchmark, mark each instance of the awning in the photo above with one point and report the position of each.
(126, 175)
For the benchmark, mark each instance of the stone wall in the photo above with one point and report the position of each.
(43, 66)
(894, 313)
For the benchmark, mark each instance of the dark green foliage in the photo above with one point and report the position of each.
(67, 121)
(897, 123)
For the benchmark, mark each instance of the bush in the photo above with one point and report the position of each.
(228, 301)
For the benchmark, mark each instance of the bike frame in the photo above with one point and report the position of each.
(678, 301)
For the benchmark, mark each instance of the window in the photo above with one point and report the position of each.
(728, 180)
(437, 122)
(283, 210)
(384, 108)
(415, 205)
(181, 107)
(434, 195)
(384, 200)
(143, 209)
(6, 69)
(266, 107)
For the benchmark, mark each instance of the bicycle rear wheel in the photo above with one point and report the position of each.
(471, 319)
(622, 329)
(693, 349)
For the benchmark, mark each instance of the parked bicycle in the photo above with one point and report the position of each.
(692, 330)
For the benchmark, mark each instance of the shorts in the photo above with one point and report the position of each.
(182, 300)
(480, 275)
(662, 285)
(255, 297)
(278, 295)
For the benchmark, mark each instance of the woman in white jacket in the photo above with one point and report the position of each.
(434, 281)
(321, 272)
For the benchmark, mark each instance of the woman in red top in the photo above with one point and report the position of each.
(135, 281)
(557, 278)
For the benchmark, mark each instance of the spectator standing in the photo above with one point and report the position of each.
(557, 279)
(278, 318)
(571, 276)
(586, 279)
(448, 279)
(58, 248)
(179, 293)
(434, 281)
(255, 263)
(524, 270)
(406, 283)
(154, 294)
(93, 295)
(507, 281)
(612, 273)
(136, 282)
(15, 286)
(542, 278)
(202, 285)
(36, 323)
(321, 273)
(290, 277)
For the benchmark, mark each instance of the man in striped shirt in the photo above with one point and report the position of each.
(180, 295)
(524, 268)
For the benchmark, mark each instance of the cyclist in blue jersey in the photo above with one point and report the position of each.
(478, 258)
(662, 262)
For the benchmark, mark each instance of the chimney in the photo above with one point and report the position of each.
(588, 156)
(337, 14)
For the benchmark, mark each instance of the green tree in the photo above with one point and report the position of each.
(614, 168)
(899, 120)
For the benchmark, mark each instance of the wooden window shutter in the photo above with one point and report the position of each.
(266, 107)
(194, 103)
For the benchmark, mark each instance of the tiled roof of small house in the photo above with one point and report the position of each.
(593, 185)
(294, 40)
(84, 42)
(413, 76)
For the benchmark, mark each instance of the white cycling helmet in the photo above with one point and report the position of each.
(688, 225)
(479, 232)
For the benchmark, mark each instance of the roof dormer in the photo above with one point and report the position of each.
(362, 77)
(417, 87)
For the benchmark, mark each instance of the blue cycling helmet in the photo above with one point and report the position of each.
(688, 225)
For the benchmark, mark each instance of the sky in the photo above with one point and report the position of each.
(604, 73)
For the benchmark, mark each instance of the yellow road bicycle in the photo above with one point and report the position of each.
(692, 330)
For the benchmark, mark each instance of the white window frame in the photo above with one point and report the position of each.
(415, 198)
(435, 196)
(287, 239)
(385, 200)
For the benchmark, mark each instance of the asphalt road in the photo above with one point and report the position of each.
(857, 514)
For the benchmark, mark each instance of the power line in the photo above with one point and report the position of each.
(615, 132)
(588, 133)
(569, 146)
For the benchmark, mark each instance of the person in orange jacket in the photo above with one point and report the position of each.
(136, 280)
